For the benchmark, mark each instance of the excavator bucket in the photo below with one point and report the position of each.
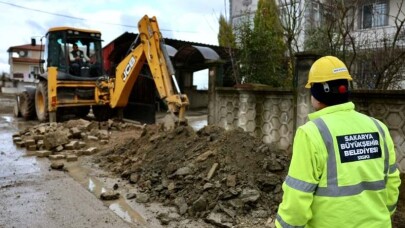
(171, 121)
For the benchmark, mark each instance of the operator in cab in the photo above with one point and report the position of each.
(77, 60)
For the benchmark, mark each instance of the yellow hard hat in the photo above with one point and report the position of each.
(327, 68)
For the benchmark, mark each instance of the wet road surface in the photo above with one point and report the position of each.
(32, 195)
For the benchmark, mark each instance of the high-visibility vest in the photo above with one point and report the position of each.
(342, 173)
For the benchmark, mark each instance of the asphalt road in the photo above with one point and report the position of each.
(33, 195)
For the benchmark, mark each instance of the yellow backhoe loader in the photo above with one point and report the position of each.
(71, 77)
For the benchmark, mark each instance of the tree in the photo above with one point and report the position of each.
(262, 48)
(291, 20)
(226, 38)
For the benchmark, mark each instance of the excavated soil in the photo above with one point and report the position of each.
(224, 177)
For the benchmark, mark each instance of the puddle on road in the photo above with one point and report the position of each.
(14, 160)
(7, 118)
(126, 212)
(197, 122)
(95, 186)
(197, 125)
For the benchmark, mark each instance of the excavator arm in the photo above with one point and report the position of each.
(151, 50)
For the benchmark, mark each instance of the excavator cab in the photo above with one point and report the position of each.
(58, 53)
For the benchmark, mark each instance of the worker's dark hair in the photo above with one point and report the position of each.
(331, 92)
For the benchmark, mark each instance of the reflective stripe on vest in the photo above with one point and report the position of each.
(332, 188)
(284, 224)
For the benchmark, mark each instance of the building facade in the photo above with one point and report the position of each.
(368, 34)
(24, 61)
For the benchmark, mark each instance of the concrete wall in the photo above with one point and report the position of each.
(268, 115)
(274, 115)
(198, 98)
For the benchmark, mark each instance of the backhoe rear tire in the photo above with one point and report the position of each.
(41, 101)
(102, 112)
(27, 104)
(82, 111)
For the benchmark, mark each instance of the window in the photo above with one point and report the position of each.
(316, 14)
(374, 14)
(33, 71)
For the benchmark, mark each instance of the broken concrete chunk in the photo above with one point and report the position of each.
(181, 204)
(54, 139)
(131, 195)
(212, 171)
(17, 139)
(200, 204)
(83, 135)
(71, 158)
(56, 157)
(217, 220)
(38, 137)
(32, 147)
(249, 195)
(20, 144)
(90, 151)
(204, 156)
(171, 186)
(40, 143)
(57, 165)
(208, 186)
(59, 148)
(76, 133)
(166, 218)
(142, 198)
(231, 180)
(43, 153)
(184, 171)
(29, 142)
(41, 130)
(82, 144)
(110, 195)
(91, 125)
(103, 134)
(72, 145)
(92, 137)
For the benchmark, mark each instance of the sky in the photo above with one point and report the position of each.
(189, 20)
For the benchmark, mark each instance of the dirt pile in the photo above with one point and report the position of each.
(221, 176)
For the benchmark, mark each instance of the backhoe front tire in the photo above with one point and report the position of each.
(16, 110)
(27, 104)
(41, 101)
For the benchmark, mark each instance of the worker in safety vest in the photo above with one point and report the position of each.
(343, 171)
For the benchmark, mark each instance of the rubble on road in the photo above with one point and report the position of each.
(68, 140)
